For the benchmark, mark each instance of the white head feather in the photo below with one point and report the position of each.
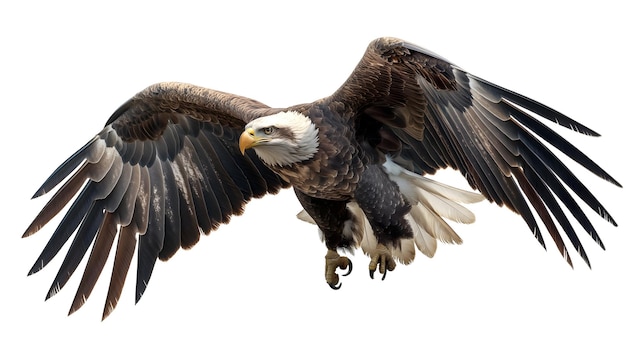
(292, 138)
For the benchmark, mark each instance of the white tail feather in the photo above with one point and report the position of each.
(425, 242)
(369, 242)
(444, 207)
(446, 191)
(434, 225)
(405, 253)
(305, 216)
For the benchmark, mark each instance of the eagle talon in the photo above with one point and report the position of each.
(334, 261)
(382, 259)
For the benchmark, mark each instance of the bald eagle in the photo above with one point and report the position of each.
(178, 160)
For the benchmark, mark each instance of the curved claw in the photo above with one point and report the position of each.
(335, 287)
(372, 274)
(349, 269)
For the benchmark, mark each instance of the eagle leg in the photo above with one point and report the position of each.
(334, 261)
(381, 258)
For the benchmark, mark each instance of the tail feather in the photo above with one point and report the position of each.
(305, 216)
(405, 253)
(445, 208)
(369, 242)
(425, 241)
(434, 225)
(444, 190)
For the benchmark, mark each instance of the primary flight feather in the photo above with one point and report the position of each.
(178, 160)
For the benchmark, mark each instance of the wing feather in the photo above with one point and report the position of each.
(544, 215)
(233, 165)
(90, 152)
(444, 117)
(228, 193)
(66, 227)
(97, 259)
(123, 256)
(151, 243)
(80, 244)
(171, 242)
(126, 208)
(165, 168)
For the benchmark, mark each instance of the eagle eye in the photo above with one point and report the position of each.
(268, 130)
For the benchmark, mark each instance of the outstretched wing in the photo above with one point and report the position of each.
(166, 166)
(430, 114)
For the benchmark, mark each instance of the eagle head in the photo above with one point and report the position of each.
(281, 139)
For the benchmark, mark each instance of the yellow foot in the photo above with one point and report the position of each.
(382, 259)
(334, 261)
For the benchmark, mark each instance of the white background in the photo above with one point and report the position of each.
(259, 281)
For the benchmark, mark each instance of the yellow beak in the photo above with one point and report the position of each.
(247, 139)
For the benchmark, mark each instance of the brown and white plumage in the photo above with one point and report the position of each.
(168, 165)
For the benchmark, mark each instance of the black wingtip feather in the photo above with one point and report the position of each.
(493, 90)
(67, 167)
(68, 225)
(560, 143)
(82, 240)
